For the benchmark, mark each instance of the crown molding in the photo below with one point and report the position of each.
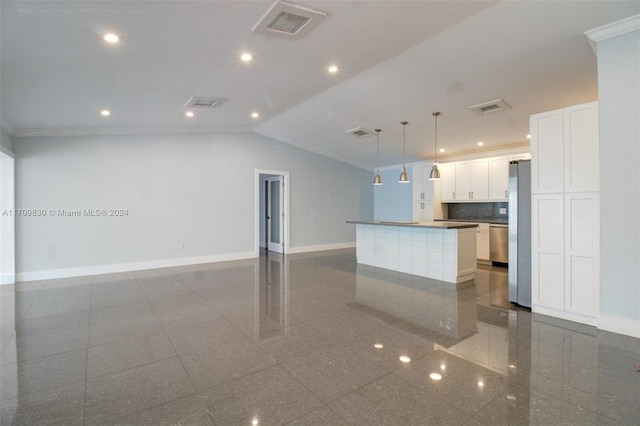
(614, 29)
(127, 131)
(324, 153)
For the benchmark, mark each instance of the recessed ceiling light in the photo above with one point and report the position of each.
(441, 149)
(480, 143)
(443, 366)
(480, 384)
(435, 376)
(404, 358)
(189, 114)
(333, 69)
(246, 57)
(254, 422)
(378, 346)
(255, 115)
(111, 38)
(105, 113)
(528, 136)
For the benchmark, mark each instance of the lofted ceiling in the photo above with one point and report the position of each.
(398, 60)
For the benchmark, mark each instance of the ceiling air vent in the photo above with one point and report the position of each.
(288, 20)
(489, 107)
(359, 132)
(204, 101)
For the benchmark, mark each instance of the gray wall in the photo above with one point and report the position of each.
(393, 200)
(193, 189)
(619, 87)
(6, 141)
(7, 222)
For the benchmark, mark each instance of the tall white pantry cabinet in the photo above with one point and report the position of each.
(565, 207)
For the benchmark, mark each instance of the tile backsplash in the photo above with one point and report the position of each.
(488, 211)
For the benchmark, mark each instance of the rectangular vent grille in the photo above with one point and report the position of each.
(288, 20)
(288, 23)
(359, 132)
(204, 101)
(490, 107)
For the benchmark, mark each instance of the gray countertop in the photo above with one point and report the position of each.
(438, 225)
(504, 221)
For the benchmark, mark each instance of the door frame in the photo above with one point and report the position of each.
(286, 208)
(279, 246)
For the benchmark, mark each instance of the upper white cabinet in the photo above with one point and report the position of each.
(480, 180)
(581, 148)
(465, 181)
(447, 182)
(565, 150)
(498, 179)
(547, 151)
(422, 186)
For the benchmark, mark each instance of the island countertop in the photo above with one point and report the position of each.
(437, 225)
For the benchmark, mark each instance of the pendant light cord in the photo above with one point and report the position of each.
(435, 156)
(378, 149)
(435, 153)
(404, 141)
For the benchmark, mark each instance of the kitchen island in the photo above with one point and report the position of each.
(443, 251)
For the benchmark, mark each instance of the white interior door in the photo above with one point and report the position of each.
(275, 214)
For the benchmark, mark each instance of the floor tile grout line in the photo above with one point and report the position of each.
(86, 379)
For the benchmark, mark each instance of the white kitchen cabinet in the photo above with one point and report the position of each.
(581, 148)
(423, 211)
(547, 240)
(472, 180)
(547, 152)
(482, 242)
(565, 213)
(480, 180)
(499, 179)
(447, 182)
(582, 242)
(463, 181)
(423, 193)
(422, 186)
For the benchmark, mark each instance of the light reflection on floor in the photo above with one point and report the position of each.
(302, 339)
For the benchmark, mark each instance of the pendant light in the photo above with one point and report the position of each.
(377, 180)
(404, 177)
(435, 173)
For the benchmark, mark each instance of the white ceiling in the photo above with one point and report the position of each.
(399, 60)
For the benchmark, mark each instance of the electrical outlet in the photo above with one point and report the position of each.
(503, 210)
(179, 246)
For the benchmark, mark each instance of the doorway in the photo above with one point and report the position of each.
(272, 211)
(275, 214)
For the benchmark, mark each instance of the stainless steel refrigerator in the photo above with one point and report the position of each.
(520, 232)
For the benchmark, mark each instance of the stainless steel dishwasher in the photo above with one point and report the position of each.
(499, 243)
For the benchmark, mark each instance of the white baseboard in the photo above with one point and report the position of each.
(127, 267)
(320, 247)
(569, 316)
(616, 324)
(7, 279)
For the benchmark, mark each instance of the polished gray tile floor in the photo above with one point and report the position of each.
(311, 339)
